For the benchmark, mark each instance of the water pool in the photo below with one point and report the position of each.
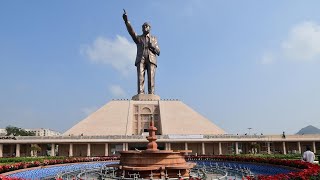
(206, 169)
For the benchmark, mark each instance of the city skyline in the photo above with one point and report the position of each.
(241, 64)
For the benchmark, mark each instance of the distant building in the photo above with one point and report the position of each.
(44, 132)
(37, 131)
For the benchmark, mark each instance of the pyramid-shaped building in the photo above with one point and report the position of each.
(132, 117)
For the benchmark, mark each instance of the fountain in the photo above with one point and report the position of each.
(153, 163)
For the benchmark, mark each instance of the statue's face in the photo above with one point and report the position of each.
(146, 29)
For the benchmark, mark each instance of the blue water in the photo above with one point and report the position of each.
(53, 171)
(261, 169)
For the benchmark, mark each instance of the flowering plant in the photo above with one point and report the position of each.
(9, 178)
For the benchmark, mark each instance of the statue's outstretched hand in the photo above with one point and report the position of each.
(124, 16)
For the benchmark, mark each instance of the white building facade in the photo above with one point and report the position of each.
(44, 132)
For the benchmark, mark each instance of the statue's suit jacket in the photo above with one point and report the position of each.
(152, 51)
(152, 48)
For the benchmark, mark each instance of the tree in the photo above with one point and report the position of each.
(255, 147)
(35, 148)
(15, 131)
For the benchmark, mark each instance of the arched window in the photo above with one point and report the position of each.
(146, 110)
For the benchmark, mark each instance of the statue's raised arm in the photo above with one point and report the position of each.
(129, 27)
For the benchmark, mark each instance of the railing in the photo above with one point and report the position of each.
(233, 136)
(135, 137)
(127, 137)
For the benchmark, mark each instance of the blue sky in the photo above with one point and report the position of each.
(241, 64)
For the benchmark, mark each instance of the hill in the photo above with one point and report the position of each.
(309, 130)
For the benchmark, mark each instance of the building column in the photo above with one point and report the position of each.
(237, 148)
(220, 149)
(88, 149)
(299, 147)
(70, 150)
(168, 146)
(31, 151)
(314, 147)
(106, 149)
(269, 151)
(284, 147)
(53, 150)
(186, 147)
(203, 148)
(17, 150)
(125, 146)
(1, 150)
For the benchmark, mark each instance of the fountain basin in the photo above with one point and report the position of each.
(156, 163)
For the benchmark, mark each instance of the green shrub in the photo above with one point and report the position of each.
(28, 159)
(275, 156)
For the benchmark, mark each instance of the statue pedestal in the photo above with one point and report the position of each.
(146, 97)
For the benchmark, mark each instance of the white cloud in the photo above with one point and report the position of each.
(303, 42)
(89, 110)
(119, 53)
(117, 91)
(267, 58)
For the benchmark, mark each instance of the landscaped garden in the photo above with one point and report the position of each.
(303, 170)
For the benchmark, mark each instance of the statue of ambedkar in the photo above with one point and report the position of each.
(147, 52)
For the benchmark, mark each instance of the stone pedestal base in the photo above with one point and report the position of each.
(146, 97)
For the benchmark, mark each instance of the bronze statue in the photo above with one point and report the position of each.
(147, 51)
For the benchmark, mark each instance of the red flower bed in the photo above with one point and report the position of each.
(23, 165)
(9, 178)
(308, 170)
